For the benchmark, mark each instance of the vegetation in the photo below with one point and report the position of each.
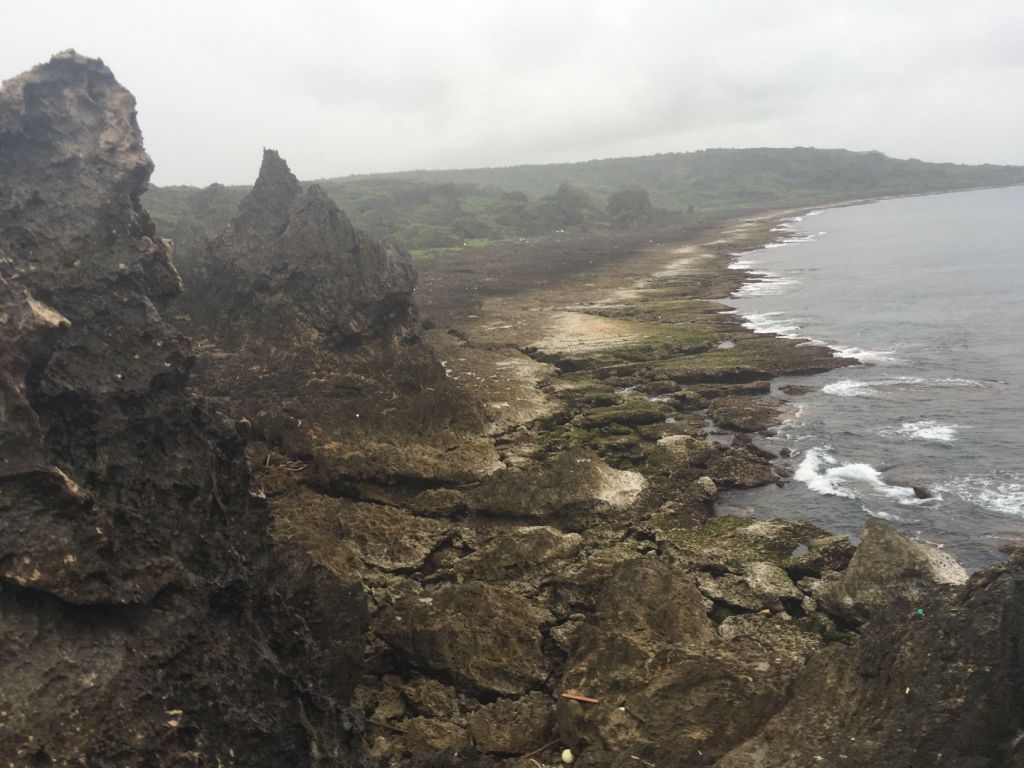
(629, 208)
(722, 179)
(429, 210)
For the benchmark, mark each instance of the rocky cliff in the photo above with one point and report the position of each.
(292, 265)
(935, 679)
(145, 617)
(306, 327)
(549, 576)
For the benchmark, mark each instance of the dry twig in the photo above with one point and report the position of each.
(577, 697)
(538, 751)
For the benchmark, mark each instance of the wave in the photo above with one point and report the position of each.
(928, 430)
(1003, 494)
(771, 322)
(873, 387)
(871, 356)
(823, 473)
(882, 515)
(764, 284)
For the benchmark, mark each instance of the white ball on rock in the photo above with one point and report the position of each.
(568, 757)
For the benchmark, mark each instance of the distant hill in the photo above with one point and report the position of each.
(438, 209)
(716, 179)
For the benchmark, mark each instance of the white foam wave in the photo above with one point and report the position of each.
(743, 264)
(765, 284)
(771, 322)
(866, 355)
(929, 430)
(797, 237)
(872, 387)
(882, 515)
(823, 473)
(794, 419)
(1003, 494)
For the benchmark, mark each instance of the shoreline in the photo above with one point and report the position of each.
(922, 478)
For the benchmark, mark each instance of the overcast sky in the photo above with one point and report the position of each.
(354, 87)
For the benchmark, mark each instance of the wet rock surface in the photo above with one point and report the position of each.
(145, 616)
(935, 688)
(495, 538)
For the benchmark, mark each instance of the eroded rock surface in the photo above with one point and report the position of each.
(939, 688)
(886, 569)
(664, 675)
(307, 329)
(145, 617)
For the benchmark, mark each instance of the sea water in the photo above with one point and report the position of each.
(928, 294)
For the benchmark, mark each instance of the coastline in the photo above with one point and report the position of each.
(924, 439)
(333, 531)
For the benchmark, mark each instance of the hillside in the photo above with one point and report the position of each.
(440, 209)
(724, 178)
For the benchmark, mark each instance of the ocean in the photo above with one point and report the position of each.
(928, 293)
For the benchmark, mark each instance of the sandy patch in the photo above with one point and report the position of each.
(504, 381)
(576, 333)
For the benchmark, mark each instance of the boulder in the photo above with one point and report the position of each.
(663, 675)
(455, 459)
(728, 544)
(744, 414)
(757, 586)
(431, 698)
(572, 487)
(825, 553)
(887, 568)
(520, 555)
(486, 639)
(743, 466)
(707, 487)
(383, 537)
(939, 688)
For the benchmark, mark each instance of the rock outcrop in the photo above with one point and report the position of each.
(887, 569)
(291, 265)
(306, 327)
(145, 617)
(665, 675)
(939, 687)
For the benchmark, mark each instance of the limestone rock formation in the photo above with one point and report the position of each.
(291, 264)
(886, 569)
(306, 327)
(145, 617)
(942, 687)
(664, 675)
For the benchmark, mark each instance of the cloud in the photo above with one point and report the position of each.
(352, 87)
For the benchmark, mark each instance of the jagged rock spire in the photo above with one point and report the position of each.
(291, 264)
(265, 209)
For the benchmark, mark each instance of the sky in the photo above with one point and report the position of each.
(359, 87)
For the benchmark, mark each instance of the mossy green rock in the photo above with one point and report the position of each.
(731, 542)
(632, 413)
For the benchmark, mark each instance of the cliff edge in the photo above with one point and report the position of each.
(145, 616)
